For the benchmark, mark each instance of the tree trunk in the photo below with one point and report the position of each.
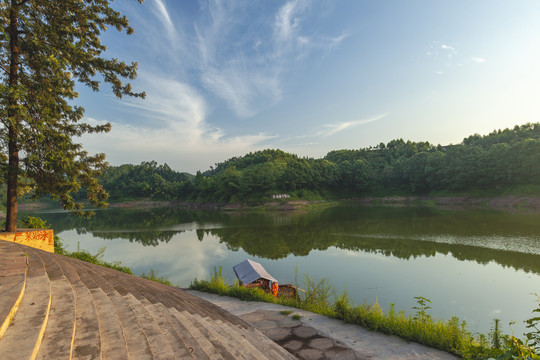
(14, 120)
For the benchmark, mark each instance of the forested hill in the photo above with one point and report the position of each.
(502, 159)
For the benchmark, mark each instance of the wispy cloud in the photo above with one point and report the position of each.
(247, 68)
(288, 19)
(237, 52)
(176, 132)
(478, 60)
(160, 10)
(445, 57)
(331, 129)
(448, 47)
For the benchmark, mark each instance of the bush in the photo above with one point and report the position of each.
(153, 276)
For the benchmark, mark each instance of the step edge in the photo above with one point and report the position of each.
(45, 321)
(72, 342)
(15, 307)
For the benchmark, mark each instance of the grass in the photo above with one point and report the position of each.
(451, 335)
(154, 276)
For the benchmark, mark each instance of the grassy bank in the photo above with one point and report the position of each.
(451, 336)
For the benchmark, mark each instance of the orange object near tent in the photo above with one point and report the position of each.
(275, 289)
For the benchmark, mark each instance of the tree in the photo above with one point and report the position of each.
(45, 46)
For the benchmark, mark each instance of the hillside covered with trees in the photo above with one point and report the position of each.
(499, 160)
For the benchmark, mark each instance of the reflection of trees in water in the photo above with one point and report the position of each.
(146, 238)
(276, 236)
(349, 231)
(145, 226)
(279, 243)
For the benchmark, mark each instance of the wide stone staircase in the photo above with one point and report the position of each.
(56, 307)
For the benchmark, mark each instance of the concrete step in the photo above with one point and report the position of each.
(166, 295)
(160, 347)
(113, 342)
(23, 337)
(12, 282)
(207, 348)
(165, 321)
(248, 338)
(138, 346)
(219, 343)
(112, 337)
(87, 339)
(100, 313)
(59, 334)
(174, 297)
(226, 339)
(195, 350)
(136, 342)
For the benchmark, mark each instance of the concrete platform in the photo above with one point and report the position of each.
(316, 336)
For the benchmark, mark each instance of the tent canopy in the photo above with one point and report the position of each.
(248, 271)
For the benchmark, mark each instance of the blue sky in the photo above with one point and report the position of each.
(224, 78)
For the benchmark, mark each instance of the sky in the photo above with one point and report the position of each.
(225, 78)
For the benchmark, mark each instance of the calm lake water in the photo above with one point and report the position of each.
(474, 264)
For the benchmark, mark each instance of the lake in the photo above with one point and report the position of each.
(474, 264)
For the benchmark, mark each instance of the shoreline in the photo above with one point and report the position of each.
(505, 203)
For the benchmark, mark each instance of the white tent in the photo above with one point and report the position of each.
(248, 271)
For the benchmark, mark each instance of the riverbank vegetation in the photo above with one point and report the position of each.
(504, 162)
(451, 336)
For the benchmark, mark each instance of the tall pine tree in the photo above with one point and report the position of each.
(45, 47)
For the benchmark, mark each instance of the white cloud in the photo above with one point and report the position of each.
(247, 70)
(448, 47)
(160, 9)
(288, 19)
(331, 129)
(478, 60)
(177, 132)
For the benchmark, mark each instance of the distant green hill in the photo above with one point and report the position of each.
(503, 161)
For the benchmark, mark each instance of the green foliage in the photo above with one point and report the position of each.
(147, 180)
(296, 317)
(217, 282)
(154, 276)
(533, 336)
(421, 309)
(35, 223)
(286, 312)
(96, 259)
(501, 163)
(319, 293)
(45, 48)
(496, 164)
(496, 334)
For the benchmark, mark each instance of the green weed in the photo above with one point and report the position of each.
(154, 276)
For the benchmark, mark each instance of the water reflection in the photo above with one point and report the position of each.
(473, 264)
(510, 240)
